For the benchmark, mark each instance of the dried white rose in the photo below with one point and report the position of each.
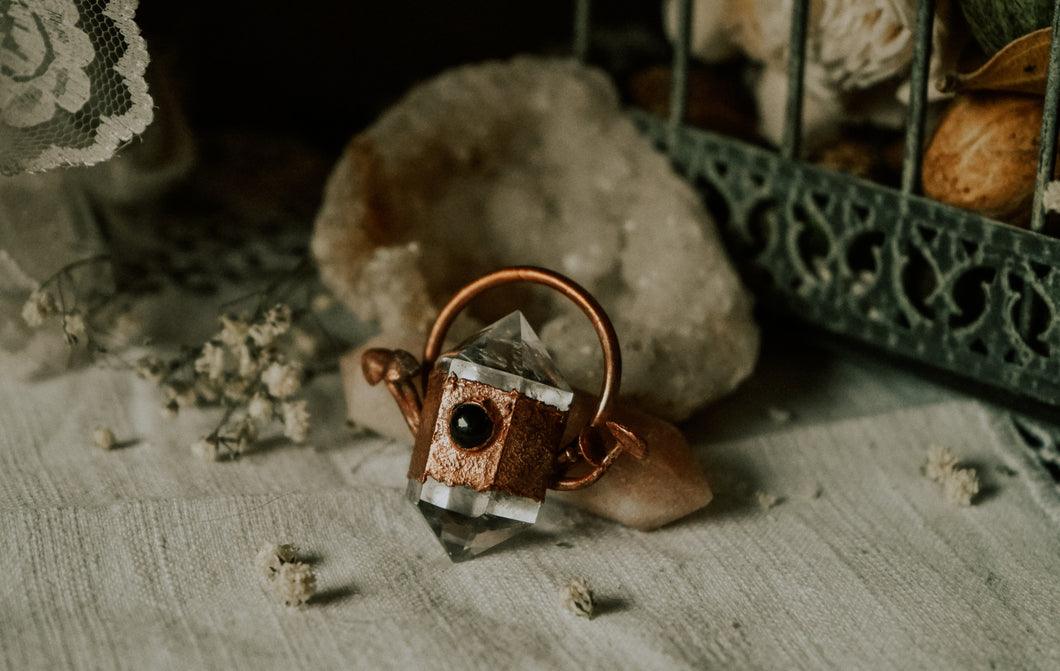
(249, 365)
(207, 449)
(211, 361)
(576, 598)
(295, 421)
(104, 438)
(283, 380)
(260, 407)
(295, 583)
(39, 306)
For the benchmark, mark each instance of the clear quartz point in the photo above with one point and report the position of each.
(508, 355)
(469, 522)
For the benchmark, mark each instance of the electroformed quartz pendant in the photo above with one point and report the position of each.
(490, 421)
(501, 414)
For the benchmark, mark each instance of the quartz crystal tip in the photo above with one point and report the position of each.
(469, 522)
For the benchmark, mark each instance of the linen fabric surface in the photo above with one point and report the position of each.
(143, 557)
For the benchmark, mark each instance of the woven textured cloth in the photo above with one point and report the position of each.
(142, 557)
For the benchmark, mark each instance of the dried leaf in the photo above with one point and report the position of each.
(1020, 67)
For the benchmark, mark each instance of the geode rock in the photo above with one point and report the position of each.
(532, 162)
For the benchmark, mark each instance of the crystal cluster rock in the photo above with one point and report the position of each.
(534, 162)
(508, 355)
(469, 522)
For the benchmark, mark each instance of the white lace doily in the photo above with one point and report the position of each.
(72, 86)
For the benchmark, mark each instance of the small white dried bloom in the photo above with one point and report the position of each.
(260, 407)
(150, 368)
(263, 335)
(279, 319)
(207, 449)
(249, 366)
(183, 394)
(295, 421)
(283, 380)
(74, 324)
(104, 438)
(233, 330)
(39, 306)
(171, 409)
(211, 361)
(272, 556)
(237, 389)
(1051, 197)
(208, 390)
(940, 461)
(246, 435)
(960, 486)
(295, 583)
(577, 599)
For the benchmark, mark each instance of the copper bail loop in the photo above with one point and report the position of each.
(566, 286)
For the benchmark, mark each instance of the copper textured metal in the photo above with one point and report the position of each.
(520, 456)
(569, 288)
(526, 453)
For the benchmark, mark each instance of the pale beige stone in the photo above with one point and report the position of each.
(533, 162)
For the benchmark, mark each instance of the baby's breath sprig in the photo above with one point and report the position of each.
(72, 309)
(253, 368)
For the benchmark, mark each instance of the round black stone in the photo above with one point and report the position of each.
(470, 425)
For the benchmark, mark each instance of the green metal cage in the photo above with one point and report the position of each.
(885, 266)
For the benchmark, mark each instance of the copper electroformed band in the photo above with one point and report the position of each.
(569, 288)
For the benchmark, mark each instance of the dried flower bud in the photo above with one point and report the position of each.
(296, 421)
(208, 390)
(246, 435)
(249, 365)
(233, 330)
(150, 368)
(171, 409)
(260, 407)
(940, 462)
(207, 449)
(211, 361)
(183, 394)
(74, 325)
(576, 598)
(1051, 197)
(238, 390)
(279, 319)
(961, 486)
(103, 438)
(283, 380)
(39, 306)
(263, 335)
(295, 583)
(272, 556)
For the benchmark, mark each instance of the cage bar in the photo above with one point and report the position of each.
(796, 80)
(1047, 148)
(916, 114)
(679, 75)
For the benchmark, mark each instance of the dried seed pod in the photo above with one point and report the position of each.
(984, 155)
